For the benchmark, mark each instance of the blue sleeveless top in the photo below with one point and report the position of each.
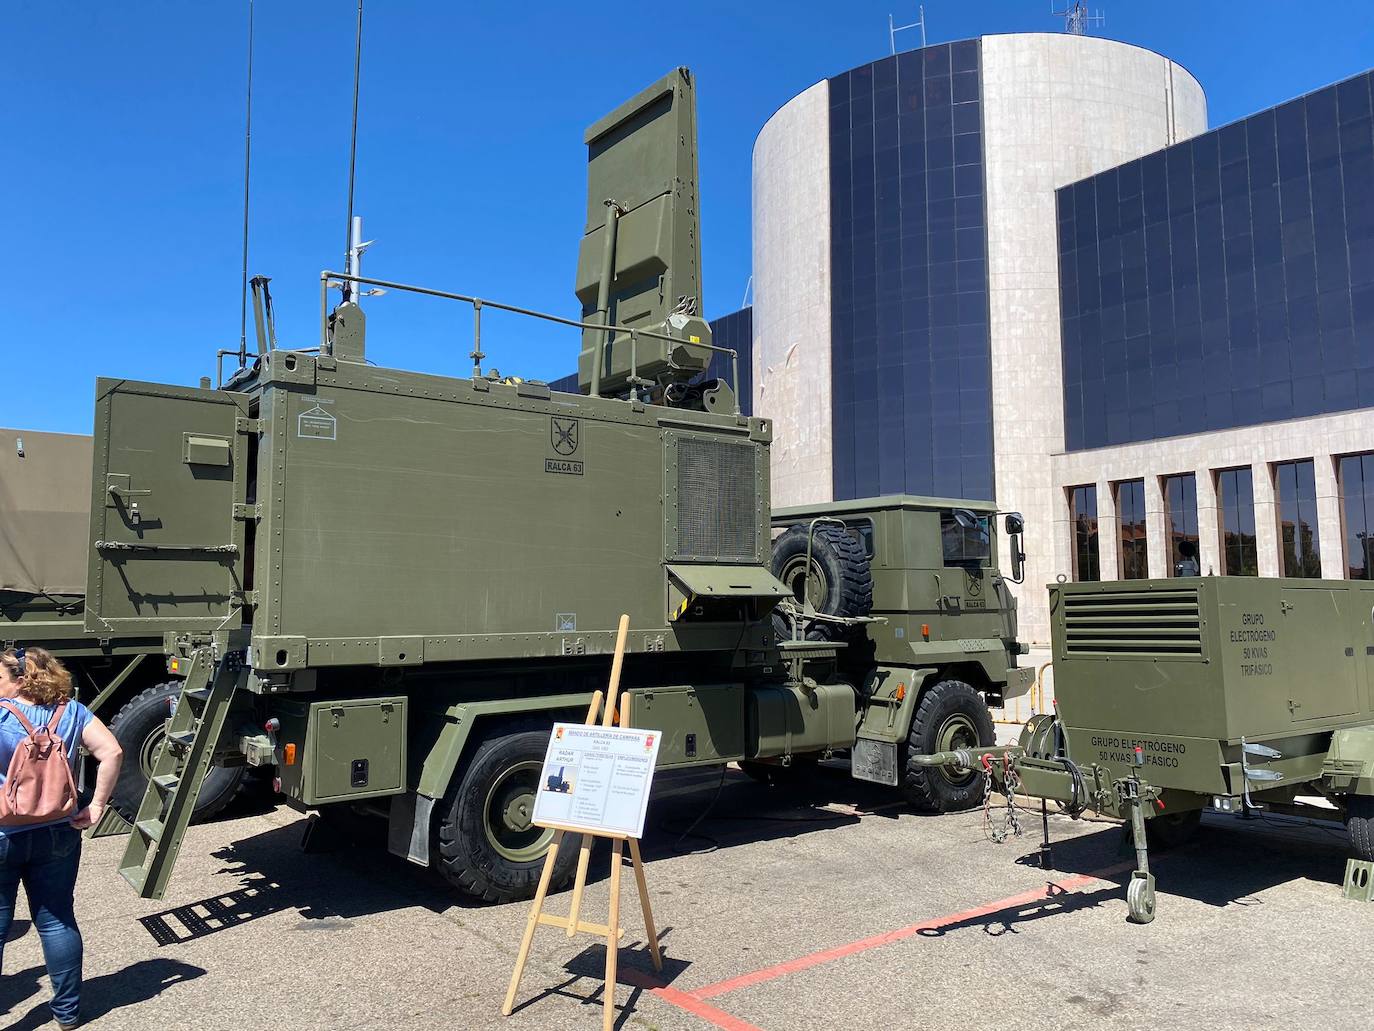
(73, 723)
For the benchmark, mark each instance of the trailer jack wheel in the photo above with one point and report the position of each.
(1140, 897)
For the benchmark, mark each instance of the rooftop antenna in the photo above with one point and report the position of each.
(348, 287)
(919, 23)
(247, 164)
(1077, 19)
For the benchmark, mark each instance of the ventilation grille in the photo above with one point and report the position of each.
(717, 500)
(1145, 623)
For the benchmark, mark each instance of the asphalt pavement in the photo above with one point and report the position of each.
(836, 908)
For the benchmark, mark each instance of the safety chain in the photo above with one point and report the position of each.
(1010, 825)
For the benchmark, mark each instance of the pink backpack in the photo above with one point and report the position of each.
(39, 787)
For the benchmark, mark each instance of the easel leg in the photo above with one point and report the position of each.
(584, 857)
(538, 904)
(649, 928)
(612, 938)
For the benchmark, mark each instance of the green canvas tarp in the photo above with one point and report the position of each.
(45, 506)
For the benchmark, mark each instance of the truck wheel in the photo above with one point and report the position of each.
(950, 715)
(488, 848)
(839, 583)
(1359, 824)
(139, 727)
(1170, 830)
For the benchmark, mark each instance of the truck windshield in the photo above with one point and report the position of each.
(965, 545)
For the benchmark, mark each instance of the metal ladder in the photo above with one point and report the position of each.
(179, 771)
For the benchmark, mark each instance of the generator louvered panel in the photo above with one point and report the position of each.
(1157, 623)
(717, 500)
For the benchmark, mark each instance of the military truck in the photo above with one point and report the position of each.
(1224, 694)
(44, 522)
(910, 587)
(386, 585)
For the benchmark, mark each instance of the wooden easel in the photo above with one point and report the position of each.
(572, 922)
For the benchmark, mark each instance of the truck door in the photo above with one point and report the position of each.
(167, 541)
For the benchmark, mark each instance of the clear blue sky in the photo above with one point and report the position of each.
(122, 154)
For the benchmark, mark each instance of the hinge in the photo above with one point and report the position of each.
(248, 511)
(248, 598)
(245, 425)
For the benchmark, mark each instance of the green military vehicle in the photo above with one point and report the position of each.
(910, 587)
(387, 585)
(1228, 694)
(44, 517)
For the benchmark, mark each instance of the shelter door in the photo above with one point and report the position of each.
(167, 530)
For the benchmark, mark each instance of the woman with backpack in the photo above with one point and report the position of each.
(41, 729)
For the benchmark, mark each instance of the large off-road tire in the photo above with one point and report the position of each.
(140, 727)
(949, 715)
(839, 583)
(487, 847)
(1170, 830)
(1359, 824)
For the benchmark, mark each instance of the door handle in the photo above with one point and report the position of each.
(124, 493)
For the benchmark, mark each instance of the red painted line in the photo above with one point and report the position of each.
(683, 1001)
(792, 966)
(704, 1010)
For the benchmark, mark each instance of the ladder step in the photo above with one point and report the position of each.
(182, 738)
(150, 829)
(167, 783)
(135, 875)
(201, 695)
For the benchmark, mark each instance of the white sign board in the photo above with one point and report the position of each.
(596, 779)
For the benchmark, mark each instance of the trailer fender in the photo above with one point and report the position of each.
(1349, 765)
(412, 812)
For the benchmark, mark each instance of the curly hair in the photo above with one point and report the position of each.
(43, 677)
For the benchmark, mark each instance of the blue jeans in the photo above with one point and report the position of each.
(46, 860)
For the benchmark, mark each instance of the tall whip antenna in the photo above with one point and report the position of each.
(353, 157)
(247, 164)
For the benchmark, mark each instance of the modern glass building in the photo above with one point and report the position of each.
(1217, 306)
(1226, 281)
(906, 296)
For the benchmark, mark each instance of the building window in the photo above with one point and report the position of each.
(1180, 521)
(1235, 496)
(1083, 513)
(1356, 476)
(1296, 486)
(1130, 517)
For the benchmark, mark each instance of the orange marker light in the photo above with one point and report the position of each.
(175, 665)
(289, 753)
(901, 692)
(925, 631)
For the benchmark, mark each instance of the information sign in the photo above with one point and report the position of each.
(596, 779)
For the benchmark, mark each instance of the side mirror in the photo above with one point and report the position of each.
(1015, 525)
(966, 519)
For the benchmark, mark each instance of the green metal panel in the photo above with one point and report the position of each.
(167, 542)
(350, 749)
(727, 581)
(701, 724)
(1212, 657)
(399, 532)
